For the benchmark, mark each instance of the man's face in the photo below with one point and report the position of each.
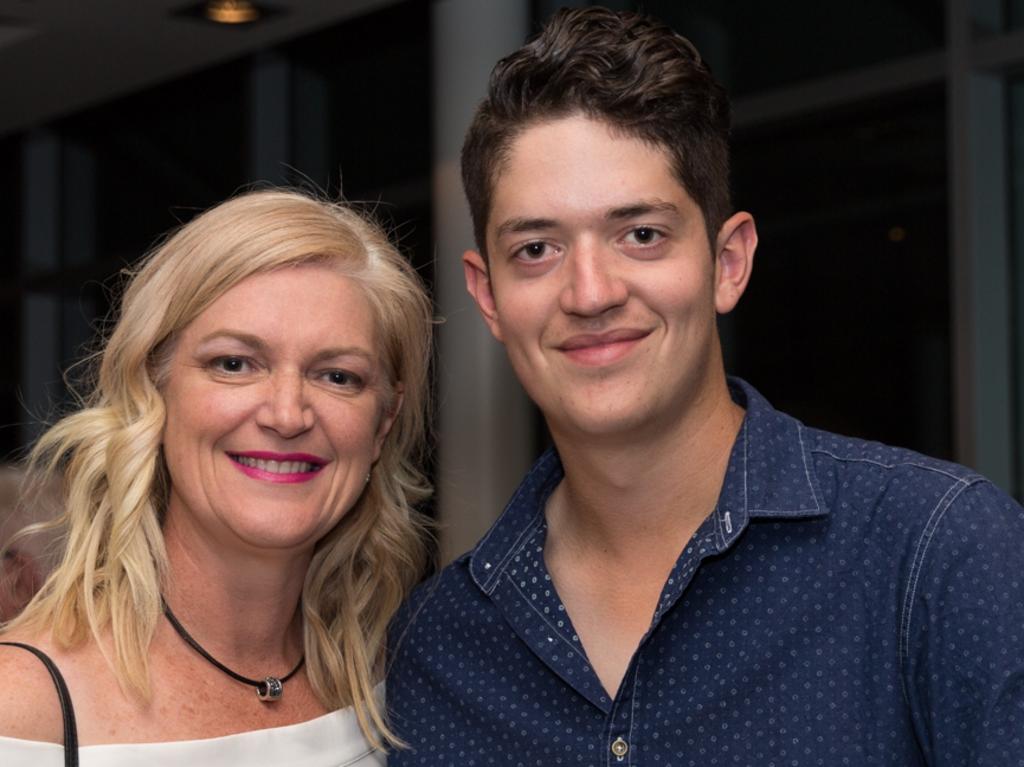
(601, 282)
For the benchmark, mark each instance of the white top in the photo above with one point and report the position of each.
(332, 740)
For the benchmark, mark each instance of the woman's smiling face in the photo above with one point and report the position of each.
(277, 406)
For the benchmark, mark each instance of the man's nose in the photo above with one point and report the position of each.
(593, 281)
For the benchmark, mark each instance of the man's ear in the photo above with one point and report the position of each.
(734, 260)
(478, 283)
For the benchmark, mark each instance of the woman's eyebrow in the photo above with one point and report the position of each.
(345, 351)
(235, 335)
(258, 344)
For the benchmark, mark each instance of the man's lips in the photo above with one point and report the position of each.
(601, 348)
(587, 340)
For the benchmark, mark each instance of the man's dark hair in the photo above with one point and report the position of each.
(624, 69)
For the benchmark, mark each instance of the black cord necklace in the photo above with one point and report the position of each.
(270, 689)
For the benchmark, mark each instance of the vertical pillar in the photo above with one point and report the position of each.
(1016, 108)
(269, 118)
(980, 256)
(485, 421)
(309, 111)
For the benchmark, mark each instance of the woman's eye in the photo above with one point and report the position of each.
(343, 378)
(230, 364)
(644, 235)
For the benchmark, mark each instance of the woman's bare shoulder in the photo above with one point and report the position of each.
(29, 705)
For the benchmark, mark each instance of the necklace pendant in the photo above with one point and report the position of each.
(270, 689)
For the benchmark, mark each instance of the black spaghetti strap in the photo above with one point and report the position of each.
(66, 709)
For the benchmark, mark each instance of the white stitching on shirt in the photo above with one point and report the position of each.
(548, 623)
(969, 478)
(954, 492)
(807, 469)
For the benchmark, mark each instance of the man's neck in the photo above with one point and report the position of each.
(649, 493)
(622, 515)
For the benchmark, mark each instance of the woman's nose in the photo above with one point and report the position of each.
(286, 409)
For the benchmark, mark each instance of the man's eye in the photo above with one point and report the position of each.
(644, 235)
(534, 250)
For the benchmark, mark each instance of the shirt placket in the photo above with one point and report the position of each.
(526, 596)
(621, 747)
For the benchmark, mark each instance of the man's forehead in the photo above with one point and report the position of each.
(576, 164)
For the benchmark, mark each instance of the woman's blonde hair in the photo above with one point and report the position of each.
(116, 484)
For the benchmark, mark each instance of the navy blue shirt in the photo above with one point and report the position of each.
(846, 603)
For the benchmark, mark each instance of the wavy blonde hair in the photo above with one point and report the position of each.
(116, 485)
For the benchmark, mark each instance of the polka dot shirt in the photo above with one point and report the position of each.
(846, 603)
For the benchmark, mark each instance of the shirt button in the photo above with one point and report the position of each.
(620, 747)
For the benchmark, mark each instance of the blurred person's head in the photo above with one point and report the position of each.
(25, 540)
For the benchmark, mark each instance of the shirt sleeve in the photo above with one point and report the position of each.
(962, 633)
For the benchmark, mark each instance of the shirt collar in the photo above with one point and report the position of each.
(769, 476)
(770, 473)
(514, 528)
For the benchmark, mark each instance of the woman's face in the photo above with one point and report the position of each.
(276, 410)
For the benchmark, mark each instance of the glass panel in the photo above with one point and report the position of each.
(1015, 93)
(11, 290)
(377, 68)
(754, 46)
(846, 320)
(990, 17)
(376, 73)
(161, 156)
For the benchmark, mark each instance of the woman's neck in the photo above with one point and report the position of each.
(241, 607)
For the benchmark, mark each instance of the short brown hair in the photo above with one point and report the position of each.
(627, 70)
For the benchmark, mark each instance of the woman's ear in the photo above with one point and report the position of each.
(734, 260)
(387, 419)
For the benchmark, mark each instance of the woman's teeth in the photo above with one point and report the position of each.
(276, 467)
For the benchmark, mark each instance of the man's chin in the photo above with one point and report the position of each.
(606, 420)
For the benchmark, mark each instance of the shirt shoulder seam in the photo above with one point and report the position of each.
(969, 478)
(954, 491)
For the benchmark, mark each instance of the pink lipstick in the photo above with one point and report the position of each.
(284, 468)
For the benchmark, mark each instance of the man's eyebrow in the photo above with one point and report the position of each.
(642, 208)
(517, 225)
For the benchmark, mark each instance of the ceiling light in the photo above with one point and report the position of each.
(231, 11)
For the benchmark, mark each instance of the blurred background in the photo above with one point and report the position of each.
(879, 143)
